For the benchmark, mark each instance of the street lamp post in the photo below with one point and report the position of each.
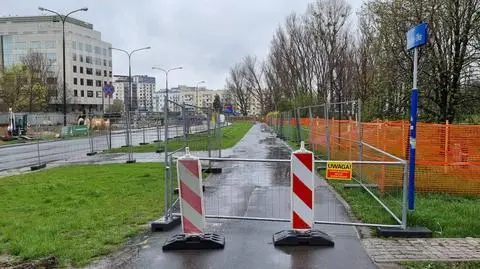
(129, 54)
(165, 119)
(63, 18)
(196, 94)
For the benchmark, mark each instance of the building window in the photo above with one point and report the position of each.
(50, 44)
(104, 83)
(74, 56)
(98, 72)
(80, 46)
(104, 73)
(81, 58)
(99, 94)
(110, 63)
(104, 62)
(75, 93)
(89, 82)
(88, 48)
(52, 57)
(98, 83)
(105, 52)
(74, 45)
(35, 45)
(74, 69)
(98, 50)
(89, 71)
(110, 73)
(89, 93)
(81, 69)
(81, 82)
(88, 59)
(75, 81)
(98, 61)
(82, 93)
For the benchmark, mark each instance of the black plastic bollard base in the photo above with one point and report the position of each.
(159, 151)
(143, 144)
(156, 141)
(125, 146)
(131, 161)
(38, 167)
(91, 153)
(418, 232)
(213, 170)
(203, 241)
(162, 225)
(297, 238)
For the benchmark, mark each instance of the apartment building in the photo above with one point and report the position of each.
(142, 92)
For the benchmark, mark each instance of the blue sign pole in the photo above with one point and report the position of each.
(413, 135)
(416, 37)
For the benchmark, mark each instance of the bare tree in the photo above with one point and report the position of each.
(42, 84)
(237, 87)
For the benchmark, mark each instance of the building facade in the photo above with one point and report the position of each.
(142, 92)
(88, 61)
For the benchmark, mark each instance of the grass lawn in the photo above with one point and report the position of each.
(197, 142)
(77, 212)
(446, 215)
(441, 265)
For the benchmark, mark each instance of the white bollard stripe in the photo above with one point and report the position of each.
(193, 216)
(302, 172)
(189, 179)
(302, 210)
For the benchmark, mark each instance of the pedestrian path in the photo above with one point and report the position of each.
(439, 249)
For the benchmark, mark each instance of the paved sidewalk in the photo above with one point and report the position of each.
(439, 249)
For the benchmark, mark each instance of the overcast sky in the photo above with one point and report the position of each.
(206, 37)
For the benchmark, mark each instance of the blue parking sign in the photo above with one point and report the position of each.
(417, 36)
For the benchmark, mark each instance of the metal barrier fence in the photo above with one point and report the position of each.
(47, 141)
(334, 132)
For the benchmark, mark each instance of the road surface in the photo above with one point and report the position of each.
(259, 190)
(27, 155)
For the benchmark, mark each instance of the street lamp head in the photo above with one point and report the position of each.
(85, 9)
(41, 8)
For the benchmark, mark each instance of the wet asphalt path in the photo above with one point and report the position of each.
(26, 155)
(259, 190)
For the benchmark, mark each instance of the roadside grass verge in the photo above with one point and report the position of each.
(77, 212)
(197, 142)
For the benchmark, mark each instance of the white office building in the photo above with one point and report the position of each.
(88, 58)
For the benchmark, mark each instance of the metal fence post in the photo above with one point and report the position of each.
(209, 142)
(327, 129)
(219, 135)
(297, 121)
(129, 134)
(360, 137)
(405, 197)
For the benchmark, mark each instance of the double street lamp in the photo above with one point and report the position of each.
(63, 18)
(129, 54)
(165, 120)
(128, 137)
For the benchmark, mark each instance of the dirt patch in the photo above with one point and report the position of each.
(9, 262)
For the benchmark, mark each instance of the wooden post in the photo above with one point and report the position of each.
(445, 152)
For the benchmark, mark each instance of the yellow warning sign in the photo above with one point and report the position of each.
(339, 170)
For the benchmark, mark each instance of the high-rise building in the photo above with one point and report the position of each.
(88, 62)
(142, 91)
